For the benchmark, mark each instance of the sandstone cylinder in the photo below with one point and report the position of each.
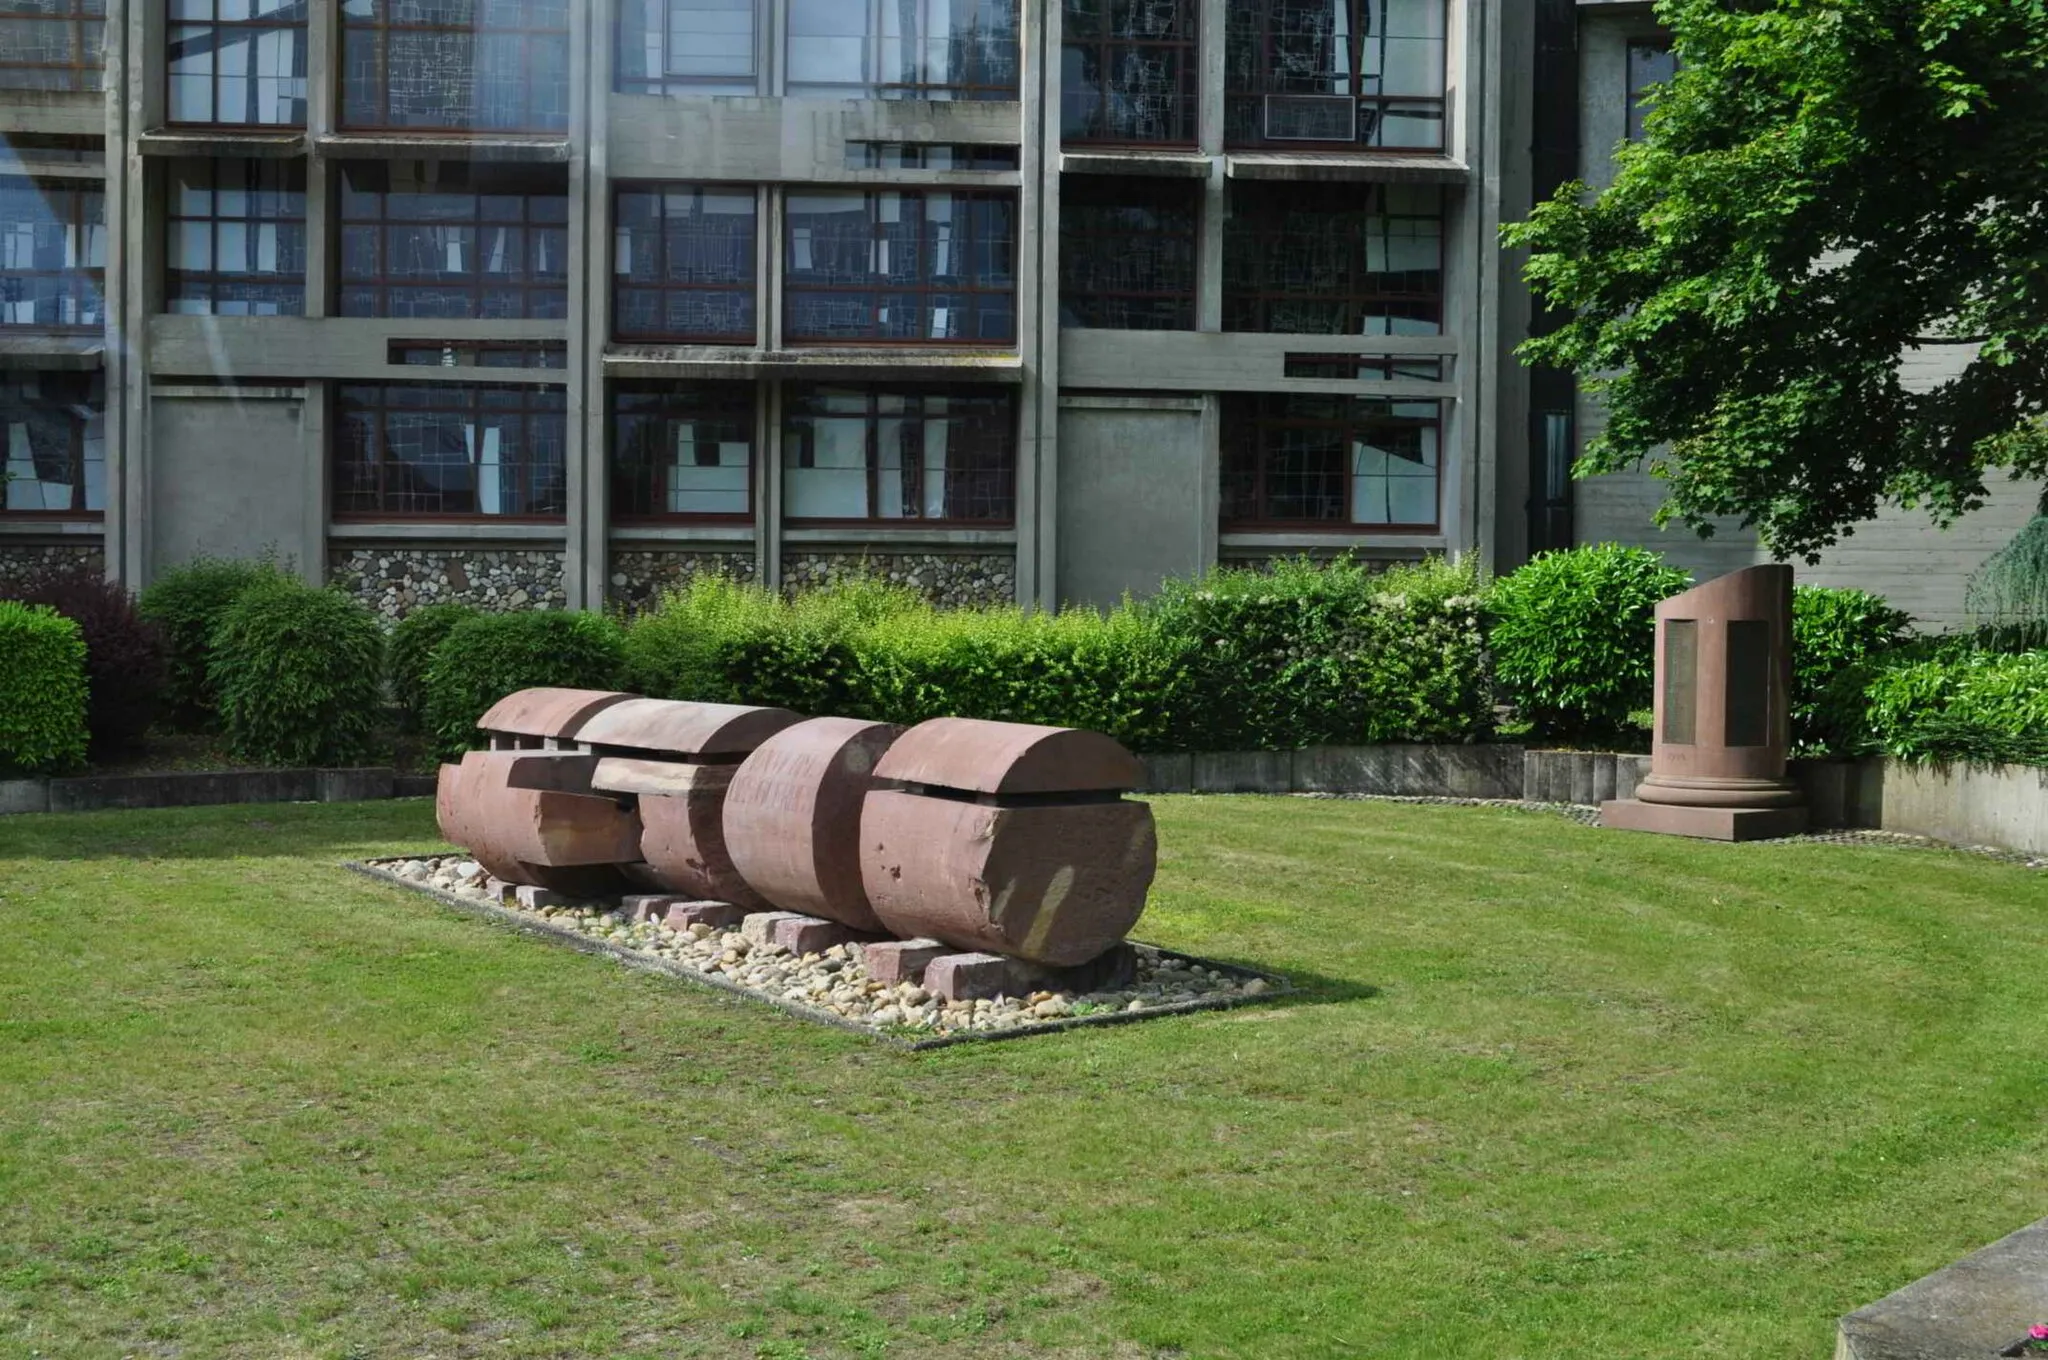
(792, 817)
(530, 818)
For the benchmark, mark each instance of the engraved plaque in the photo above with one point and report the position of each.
(1680, 700)
(1749, 682)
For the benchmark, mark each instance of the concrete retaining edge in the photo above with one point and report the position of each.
(207, 789)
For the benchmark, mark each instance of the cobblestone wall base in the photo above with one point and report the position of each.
(395, 581)
(953, 579)
(639, 577)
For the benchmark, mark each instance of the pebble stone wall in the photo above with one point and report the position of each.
(31, 564)
(639, 577)
(395, 581)
(952, 579)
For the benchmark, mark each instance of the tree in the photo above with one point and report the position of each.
(1825, 187)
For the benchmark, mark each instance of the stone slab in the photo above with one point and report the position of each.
(760, 926)
(24, 795)
(980, 977)
(718, 915)
(538, 899)
(643, 907)
(897, 961)
(1707, 824)
(815, 935)
(1968, 1311)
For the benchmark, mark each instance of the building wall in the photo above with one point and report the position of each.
(230, 478)
(1136, 503)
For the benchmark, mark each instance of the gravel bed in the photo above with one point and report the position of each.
(835, 985)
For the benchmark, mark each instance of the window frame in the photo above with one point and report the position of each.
(1077, 191)
(1187, 86)
(339, 429)
(793, 287)
(380, 28)
(793, 411)
(1247, 418)
(213, 278)
(728, 399)
(253, 25)
(944, 92)
(675, 86)
(83, 280)
(1357, 78)
(750, 287)
(505, 183)
(84, 75)
(1263, 207)
(79, 511)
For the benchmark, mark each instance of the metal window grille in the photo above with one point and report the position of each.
(463, 242)
(683, 452)
(1333, 259)
(236, 242)
(52, 44)
(234, 63)
(683, 264)
(1331, 462)
(901, 267)
(53, 255)
(1132, 72)
(1128, 253)
(887, 454)
(450, 451)
(456, 65)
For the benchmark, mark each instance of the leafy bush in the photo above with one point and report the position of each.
(1968, 706)
(411, 650)
(186, 603)
(1834, 631)
(124, 658)
(1574, 638)
(487, 657)
(42, 690)
(298, 674)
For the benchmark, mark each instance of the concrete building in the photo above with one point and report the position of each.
(1003, 298)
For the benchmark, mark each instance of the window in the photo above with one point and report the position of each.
(56, 443)
(1131, 71)
(1127, 253)
(53, 254)
(928, 156)
(450, 449)
(237, 239)
(683, 264)
(1362, 367)
(1649, 64)
(904, 267)
(426, 239)
(238, 61)
(1334, 74)
(890, 455)
(51, 44)
(478, 353)
(1330, 462)
(683, 452)
(903, 49)
(686, 47)
(1333, 259)
(456, 65)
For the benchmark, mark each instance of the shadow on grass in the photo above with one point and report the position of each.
(316, 831)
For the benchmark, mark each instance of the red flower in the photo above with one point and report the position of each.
(2038, 1332)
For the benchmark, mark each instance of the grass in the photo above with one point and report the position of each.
(1555, 1093)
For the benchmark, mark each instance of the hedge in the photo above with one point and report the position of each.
(1833, 631)
(485, 658)
(186, 604)
(298, 672)
(411, 651)
(1943, 700)
(42, 690)
(125, 659)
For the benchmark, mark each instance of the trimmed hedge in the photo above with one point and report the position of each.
(186, 604)
(42, 690)
(298, 673)
(1833, 631)
(1943, 700)
(411, 651)
(125, 659)
(1574, 638)
(485, 658)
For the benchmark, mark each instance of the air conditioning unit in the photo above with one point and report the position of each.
(1311, 118)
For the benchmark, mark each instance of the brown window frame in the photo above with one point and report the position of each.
(382, 408)
(706, 401)
(253, 26)
(86, 72)
(873, 335)
(1265, 76)
(794, 450)
(1109, 251)
(626, 36)
(176, 279)
(95, 390)
(379, 27)
(1109, 49)
(478, 186)
(943, 91)
(1255, 227)
(1250, 418)
(83, 281)
(749, 287)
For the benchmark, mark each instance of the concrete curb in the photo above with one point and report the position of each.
(208, 789)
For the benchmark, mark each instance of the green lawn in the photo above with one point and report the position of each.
(1554, 1093)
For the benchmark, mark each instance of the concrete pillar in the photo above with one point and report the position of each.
(587, 565)
(1038, 328)
(1215, 201)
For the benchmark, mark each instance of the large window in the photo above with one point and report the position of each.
(238, 61)
(237, 242)
(53, 254)
(683, 264)
(1333, 259)
(1335, 73)
(51, 44)
(683, 452)
(1131, 71)
(1127, 253)
(867, 454)
(450, 450)
(903, 49)
(421, 239)
(1650, 64)
(1330, 462)
(687, 47)
(456, 65)
(906, 267)
(56, 460)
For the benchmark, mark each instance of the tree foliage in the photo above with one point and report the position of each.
(1826, 188)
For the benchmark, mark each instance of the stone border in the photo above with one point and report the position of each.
(1972, 1310)
(529, 925)
(93, 793)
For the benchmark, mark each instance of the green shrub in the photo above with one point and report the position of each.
(185, 604)
(42, 690)
(1834, 631)
(1971, 706)
(411, 650)
(1574, 637)
(487, 657)
(124, 659)
(298, 672)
